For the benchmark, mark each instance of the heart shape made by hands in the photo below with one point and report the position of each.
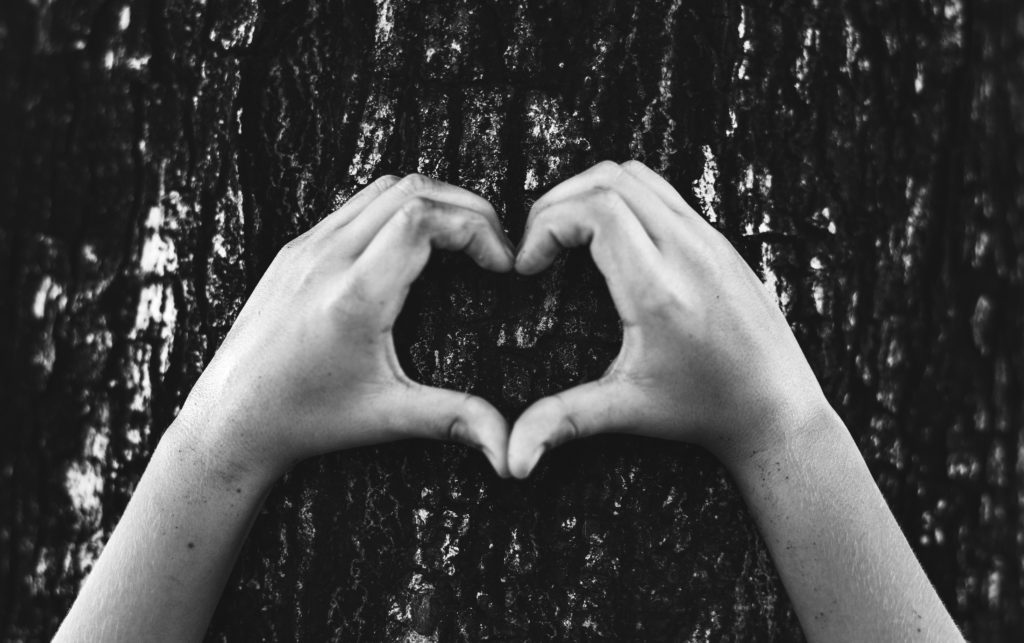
(705, 350)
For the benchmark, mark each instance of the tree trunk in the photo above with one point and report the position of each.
(865, 157)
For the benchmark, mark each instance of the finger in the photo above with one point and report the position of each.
(397, 255)
(659, 186)
(351, 208)
(589, 409)
(622, 250)
(656, 217)
(363, 229)
(435, 413)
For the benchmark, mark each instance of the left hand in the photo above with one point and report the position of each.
(707, 356)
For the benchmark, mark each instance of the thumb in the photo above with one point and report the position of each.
(579, 412)
(440, 414)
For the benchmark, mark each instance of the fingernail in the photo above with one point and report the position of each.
(499, 465)
(520, 254)
(536, 458)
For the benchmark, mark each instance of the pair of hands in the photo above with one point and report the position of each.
(310, 366)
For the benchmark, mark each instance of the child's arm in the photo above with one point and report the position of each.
(308, 367)
(708, 358)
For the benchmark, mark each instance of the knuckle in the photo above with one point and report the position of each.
(350, 299)
(417, 213)
(471, 406)
(386, 181)
(633, 165)
(453, 432)
(570, 424)
(473, 222)
(458, 429)
(543, 220)
(294, 245)
(704, 247)
(607, 201)
(607, 172)
(302, 269)
(664, 302)
(414, 183)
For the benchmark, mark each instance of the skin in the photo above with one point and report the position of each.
(708, 358)
(309, 367)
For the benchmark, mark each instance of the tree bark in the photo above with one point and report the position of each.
(865, 157)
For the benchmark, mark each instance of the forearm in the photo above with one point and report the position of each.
(163, 569)
(308, 368)
(847, 567)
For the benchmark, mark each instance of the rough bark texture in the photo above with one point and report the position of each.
(866, 157)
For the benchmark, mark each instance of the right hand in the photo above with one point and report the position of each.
(707, 357)
(310, 366)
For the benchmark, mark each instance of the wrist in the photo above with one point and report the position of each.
(791, 428)
(222, 446)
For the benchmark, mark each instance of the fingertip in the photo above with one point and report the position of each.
(497, 259)
(487, 430)
(500, 464)
(385, 181)
(527, 263)
(510, 249)
(533, 433)
(507, 262)
(521, 467)
(519, 263)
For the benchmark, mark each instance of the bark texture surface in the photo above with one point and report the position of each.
(865, 157)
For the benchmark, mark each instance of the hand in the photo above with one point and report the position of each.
(310, 366)
(706, 357)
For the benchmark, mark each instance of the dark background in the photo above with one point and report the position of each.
(865, 157)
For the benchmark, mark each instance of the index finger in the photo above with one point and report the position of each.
(621, 248)
(661, 187)
(396, 256)
(351, 208)
(657, 219)
(359, 233)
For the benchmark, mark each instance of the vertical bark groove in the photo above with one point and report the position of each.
(865, 157)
